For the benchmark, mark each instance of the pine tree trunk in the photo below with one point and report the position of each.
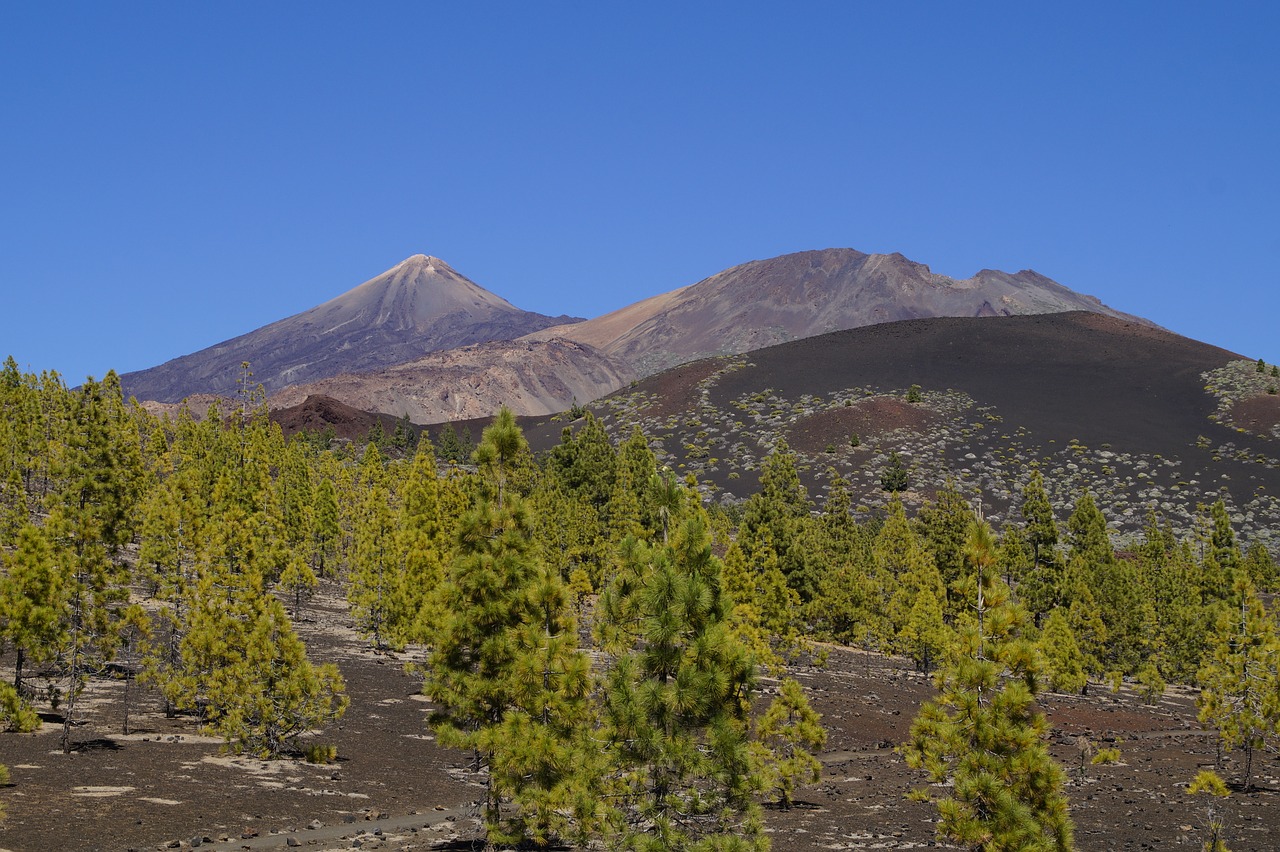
(128, 676)
(17, 670)
(71, 694)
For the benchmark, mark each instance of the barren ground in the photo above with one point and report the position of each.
(394, 789)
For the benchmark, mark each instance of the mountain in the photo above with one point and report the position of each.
(379, 347)
(418, 306)
(1143, 417)
(800, 295)
(529, 377)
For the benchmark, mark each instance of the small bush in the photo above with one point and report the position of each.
(1106, 756)
(1208, 781)
(321, 753)
(15, 714)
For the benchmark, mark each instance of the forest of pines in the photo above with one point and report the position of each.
(587, 628)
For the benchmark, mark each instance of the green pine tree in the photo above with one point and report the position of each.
(32, 598)
(326, 530)
(1042, 531)
(375, 587)
(503, 671)
(1240, 680)
(544, 756)
(983, 735)
(676, 702)
(786, 734)
(894, 476)
(1064, 662)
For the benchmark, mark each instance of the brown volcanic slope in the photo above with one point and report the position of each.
(529, 377)
(1099, 402)
(420, 305)
(317, 413)
(765, 302)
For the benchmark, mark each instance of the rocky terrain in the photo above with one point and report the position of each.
(1144, 417)
(529, 377)
(163, 786)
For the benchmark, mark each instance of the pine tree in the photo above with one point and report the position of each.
(984, 735)
(544, 756)
(424, 529)
(944, 525)
(775, 518)
(1119, 593)
(31, 602)
(133, 629)
(1240, 679)
(450, 446)
(284, 695)
(375, 585)
(894, 476)
(298, 581)
(1260, 568)
(633, 508)
(241, 665)
(16, 715)
(787, 732)
(1042, 532)
(325, 530)
(1083, 616)
(764, 607)
(88, 524)
(915, 604)
(676, 702)
(502, 647)
(1064, 662)
(172, 530)
(1015, 557)
(925, 635)
(849, 606)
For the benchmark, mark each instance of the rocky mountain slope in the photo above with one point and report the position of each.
(529, 377)
(1143, 417)
(800, 295)
(418, 306)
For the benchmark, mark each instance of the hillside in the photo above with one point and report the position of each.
(1114, 405)
(529, 377)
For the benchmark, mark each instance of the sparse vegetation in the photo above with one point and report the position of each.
(484, 566)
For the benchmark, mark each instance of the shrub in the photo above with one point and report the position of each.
(321, 753)
(1106, 756)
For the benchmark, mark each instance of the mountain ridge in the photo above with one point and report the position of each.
(764, 302)
(373, 346)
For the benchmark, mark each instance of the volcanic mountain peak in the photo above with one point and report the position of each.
(763, 302)
(414, 294)
(420, 305)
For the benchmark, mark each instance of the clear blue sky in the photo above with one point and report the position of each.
(175, 174)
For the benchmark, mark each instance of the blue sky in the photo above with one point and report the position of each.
(174, 174)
